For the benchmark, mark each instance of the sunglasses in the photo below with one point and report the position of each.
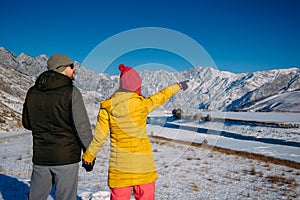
(70, 65)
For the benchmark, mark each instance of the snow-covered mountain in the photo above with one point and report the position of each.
(210, 89)
(12, 89)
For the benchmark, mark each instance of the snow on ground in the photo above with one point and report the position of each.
(185, 171)
(277, 151)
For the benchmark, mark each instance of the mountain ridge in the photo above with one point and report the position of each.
(210, 89)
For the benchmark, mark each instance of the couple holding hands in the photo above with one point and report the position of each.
(55, 113)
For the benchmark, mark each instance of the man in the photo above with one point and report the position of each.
(55, 112)
(124, 115)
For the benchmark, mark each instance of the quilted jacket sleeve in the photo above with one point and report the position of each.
(158, 99)
(100, 136)
(81, 120)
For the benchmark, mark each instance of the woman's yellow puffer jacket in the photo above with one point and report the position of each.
(124, 115)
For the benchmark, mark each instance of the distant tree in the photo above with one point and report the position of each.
(205, 143)
(177, 113)
(197, 116)
(207, 118)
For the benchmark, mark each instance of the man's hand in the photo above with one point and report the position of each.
(88, 166)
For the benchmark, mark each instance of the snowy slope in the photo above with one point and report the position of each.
(278, 103)
(185, 171)
(13, 88)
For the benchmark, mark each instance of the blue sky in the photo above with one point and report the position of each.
(239, 36)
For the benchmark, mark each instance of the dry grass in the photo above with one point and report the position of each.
(281, 180)
(196, 187)
(252, 171)
(189, 158)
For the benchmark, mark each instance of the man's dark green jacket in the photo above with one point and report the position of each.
(55, 112)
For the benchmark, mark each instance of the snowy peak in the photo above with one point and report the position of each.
(210, 89)
(283, 83)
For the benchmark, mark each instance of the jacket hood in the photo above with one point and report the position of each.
(118, 104)
(50, 80)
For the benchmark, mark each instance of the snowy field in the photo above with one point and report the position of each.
(185, 171)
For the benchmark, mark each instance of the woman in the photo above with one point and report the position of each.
(124, 115)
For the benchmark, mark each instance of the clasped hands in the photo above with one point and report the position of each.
(88, 166)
